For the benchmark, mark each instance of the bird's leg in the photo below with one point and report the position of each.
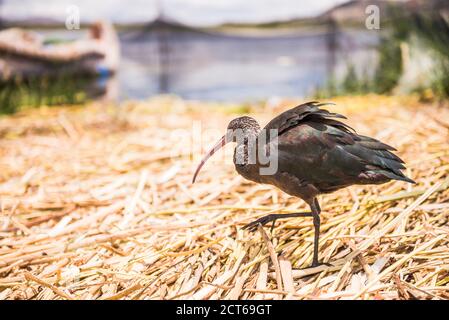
(316, 210)
(252, 226)
(315, 213)
(316, 238)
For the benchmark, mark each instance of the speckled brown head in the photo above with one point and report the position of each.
(245, 123)
(239, 126)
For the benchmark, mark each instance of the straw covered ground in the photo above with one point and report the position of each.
(97, 203)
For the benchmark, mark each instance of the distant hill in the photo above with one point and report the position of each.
(354, 10)
(32, 22)
(348, 13)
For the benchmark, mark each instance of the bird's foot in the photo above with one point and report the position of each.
(317, 264)
(252, 226)
(272, 218)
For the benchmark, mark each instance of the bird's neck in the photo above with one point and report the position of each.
(246, 148)
(245, 156)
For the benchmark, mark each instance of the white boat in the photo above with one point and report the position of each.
(25, 54)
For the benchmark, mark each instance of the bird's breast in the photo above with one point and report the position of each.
(249, 172)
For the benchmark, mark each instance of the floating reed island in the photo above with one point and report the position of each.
(97, 203)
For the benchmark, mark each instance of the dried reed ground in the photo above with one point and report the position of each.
(93, 207)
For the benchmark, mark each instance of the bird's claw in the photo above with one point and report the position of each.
(252, 226)
(317, 264)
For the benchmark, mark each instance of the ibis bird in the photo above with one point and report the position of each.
(315, 153)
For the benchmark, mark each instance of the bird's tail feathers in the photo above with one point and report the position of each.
(397, 176)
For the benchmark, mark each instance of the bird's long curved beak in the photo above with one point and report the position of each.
(221, 143)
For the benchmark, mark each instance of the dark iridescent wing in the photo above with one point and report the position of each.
(319, 149)
(309, 110)
(376, 157)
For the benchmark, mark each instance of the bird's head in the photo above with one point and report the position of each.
(238, 129)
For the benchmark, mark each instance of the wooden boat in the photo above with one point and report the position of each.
(25, 54)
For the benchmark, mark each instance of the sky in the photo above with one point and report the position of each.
(190, 12)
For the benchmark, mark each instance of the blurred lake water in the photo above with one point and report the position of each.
(222, 67)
